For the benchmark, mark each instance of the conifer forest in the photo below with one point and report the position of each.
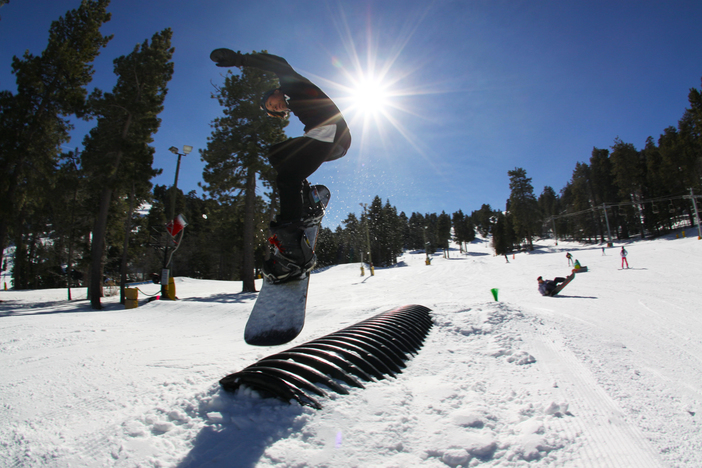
(78, 218)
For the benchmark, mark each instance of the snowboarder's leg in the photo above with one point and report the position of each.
(295, 160)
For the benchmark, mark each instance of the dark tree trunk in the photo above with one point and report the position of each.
(96, 249)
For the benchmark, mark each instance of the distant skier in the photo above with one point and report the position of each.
(624, 253)
(570, 258)
(546, 287)
(326, 138)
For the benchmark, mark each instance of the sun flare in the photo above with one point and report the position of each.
(370, 97)
(377, 87)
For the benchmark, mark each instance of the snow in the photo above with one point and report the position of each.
(608, 374)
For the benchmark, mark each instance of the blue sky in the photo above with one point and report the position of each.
(473, 88)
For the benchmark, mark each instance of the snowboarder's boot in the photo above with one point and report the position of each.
(312, 206)
(291, 255)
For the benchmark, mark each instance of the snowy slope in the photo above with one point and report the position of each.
(607, 374)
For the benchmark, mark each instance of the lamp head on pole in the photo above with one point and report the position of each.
(186, 149)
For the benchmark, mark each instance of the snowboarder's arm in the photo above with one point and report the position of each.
(266, 62)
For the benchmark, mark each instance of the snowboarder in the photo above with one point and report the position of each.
(326, 138)
(570, 258)
(546, 287)
(624, 253)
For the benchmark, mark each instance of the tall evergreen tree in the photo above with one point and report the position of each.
(51, 87)
(416, 226)
(629, 169)
(444, 230)
(503, 237)
(584, 200)
(376, 231)
(548, 203)
(393, 234)
(117, 150)
(463, 230)
(481, 219)
(523, 208)
(352, 246)
(603, 184)
(693, 115)
(236, 152)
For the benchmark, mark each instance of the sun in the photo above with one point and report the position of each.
(377, 86)
(370, 97)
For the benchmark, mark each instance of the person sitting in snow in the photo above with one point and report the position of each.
(546, 287)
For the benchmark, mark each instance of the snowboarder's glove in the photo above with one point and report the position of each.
(228, 58)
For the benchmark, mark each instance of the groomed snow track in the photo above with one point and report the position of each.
(369, 350)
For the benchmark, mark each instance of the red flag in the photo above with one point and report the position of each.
(177, 225)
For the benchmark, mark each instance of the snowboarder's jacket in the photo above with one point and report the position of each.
(546, 287)
(318, 113)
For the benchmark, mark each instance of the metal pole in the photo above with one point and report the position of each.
(697, 215)
(165, 271)
(609, 234)
(175, 188)
(555, 235)
(370, 255)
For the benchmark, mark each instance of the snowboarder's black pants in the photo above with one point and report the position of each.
(295, 160)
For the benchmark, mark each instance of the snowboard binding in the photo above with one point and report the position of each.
(312, 205)
(291, 253)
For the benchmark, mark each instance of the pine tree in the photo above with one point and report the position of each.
(236, 152)
(629, 170)
(603, 184)
(693, 129)
(523, 208)
(444, 231)
(502, 234)
(352, 246)
(51, 87)
(116, 150)
(416, 226)
(481, 219)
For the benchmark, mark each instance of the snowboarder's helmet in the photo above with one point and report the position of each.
(264, 99)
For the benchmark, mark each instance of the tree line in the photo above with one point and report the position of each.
(621, 192)
(79, 218)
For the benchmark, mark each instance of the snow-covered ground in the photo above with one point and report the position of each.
(607, 374)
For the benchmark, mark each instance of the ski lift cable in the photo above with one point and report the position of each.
(623, 204)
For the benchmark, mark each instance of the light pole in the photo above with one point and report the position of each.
(165, 272)
(370, 256)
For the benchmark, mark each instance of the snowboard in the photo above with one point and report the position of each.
(560, 287)
(278, 315)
